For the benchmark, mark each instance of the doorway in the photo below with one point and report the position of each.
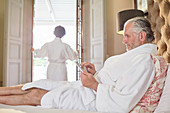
(47, 15)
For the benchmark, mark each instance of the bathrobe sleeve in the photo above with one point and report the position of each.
(129, 88)
(70, 53)
(43, 52)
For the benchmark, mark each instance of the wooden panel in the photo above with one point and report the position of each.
(14, 73)
(13, 42)
(97, 19)
(14, 51)
(97, 33)
(15, 20)
(96, 53)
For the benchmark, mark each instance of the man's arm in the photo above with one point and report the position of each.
(88, 80)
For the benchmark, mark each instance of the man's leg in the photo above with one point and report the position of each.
(12, 90)
(32, 97)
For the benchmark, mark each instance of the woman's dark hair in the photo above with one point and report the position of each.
(59, 31)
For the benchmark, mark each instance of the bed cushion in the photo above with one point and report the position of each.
(150, 100)
(163, 106)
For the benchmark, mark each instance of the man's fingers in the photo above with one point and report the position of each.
(84, 72)
(83, 63)
(86, 64)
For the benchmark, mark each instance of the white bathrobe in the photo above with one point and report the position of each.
(123, 81)
(57, 53)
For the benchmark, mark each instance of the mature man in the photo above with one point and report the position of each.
(117, 87)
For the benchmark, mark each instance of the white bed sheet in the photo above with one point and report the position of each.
(33, 109)
(163, 106)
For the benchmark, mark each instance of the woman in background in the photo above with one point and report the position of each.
(57, 53)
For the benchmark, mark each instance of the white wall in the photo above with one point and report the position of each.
(114, 40)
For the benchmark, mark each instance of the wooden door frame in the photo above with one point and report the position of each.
(78, 22)
(32, 40)
(79, 35)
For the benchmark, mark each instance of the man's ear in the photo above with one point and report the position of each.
(142, 36)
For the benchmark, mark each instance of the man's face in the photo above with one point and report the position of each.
(130, 38)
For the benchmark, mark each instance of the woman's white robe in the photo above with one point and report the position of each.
(57, 53)
(123, 81)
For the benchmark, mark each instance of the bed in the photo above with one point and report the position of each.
(163, 106)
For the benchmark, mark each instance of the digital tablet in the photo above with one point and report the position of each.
(79, 66)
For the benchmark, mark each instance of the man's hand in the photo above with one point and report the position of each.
(32, 49)
(89, 67)
(88, 80)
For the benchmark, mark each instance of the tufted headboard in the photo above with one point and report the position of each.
(159, 16)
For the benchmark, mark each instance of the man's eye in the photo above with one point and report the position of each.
(127, 36)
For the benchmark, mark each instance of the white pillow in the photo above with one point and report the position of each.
(164, 103)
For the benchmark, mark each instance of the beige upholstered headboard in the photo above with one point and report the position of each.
(159, 15)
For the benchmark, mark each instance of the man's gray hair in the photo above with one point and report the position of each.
(141, 24)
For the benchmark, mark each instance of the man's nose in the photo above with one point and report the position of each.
(124, 40)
